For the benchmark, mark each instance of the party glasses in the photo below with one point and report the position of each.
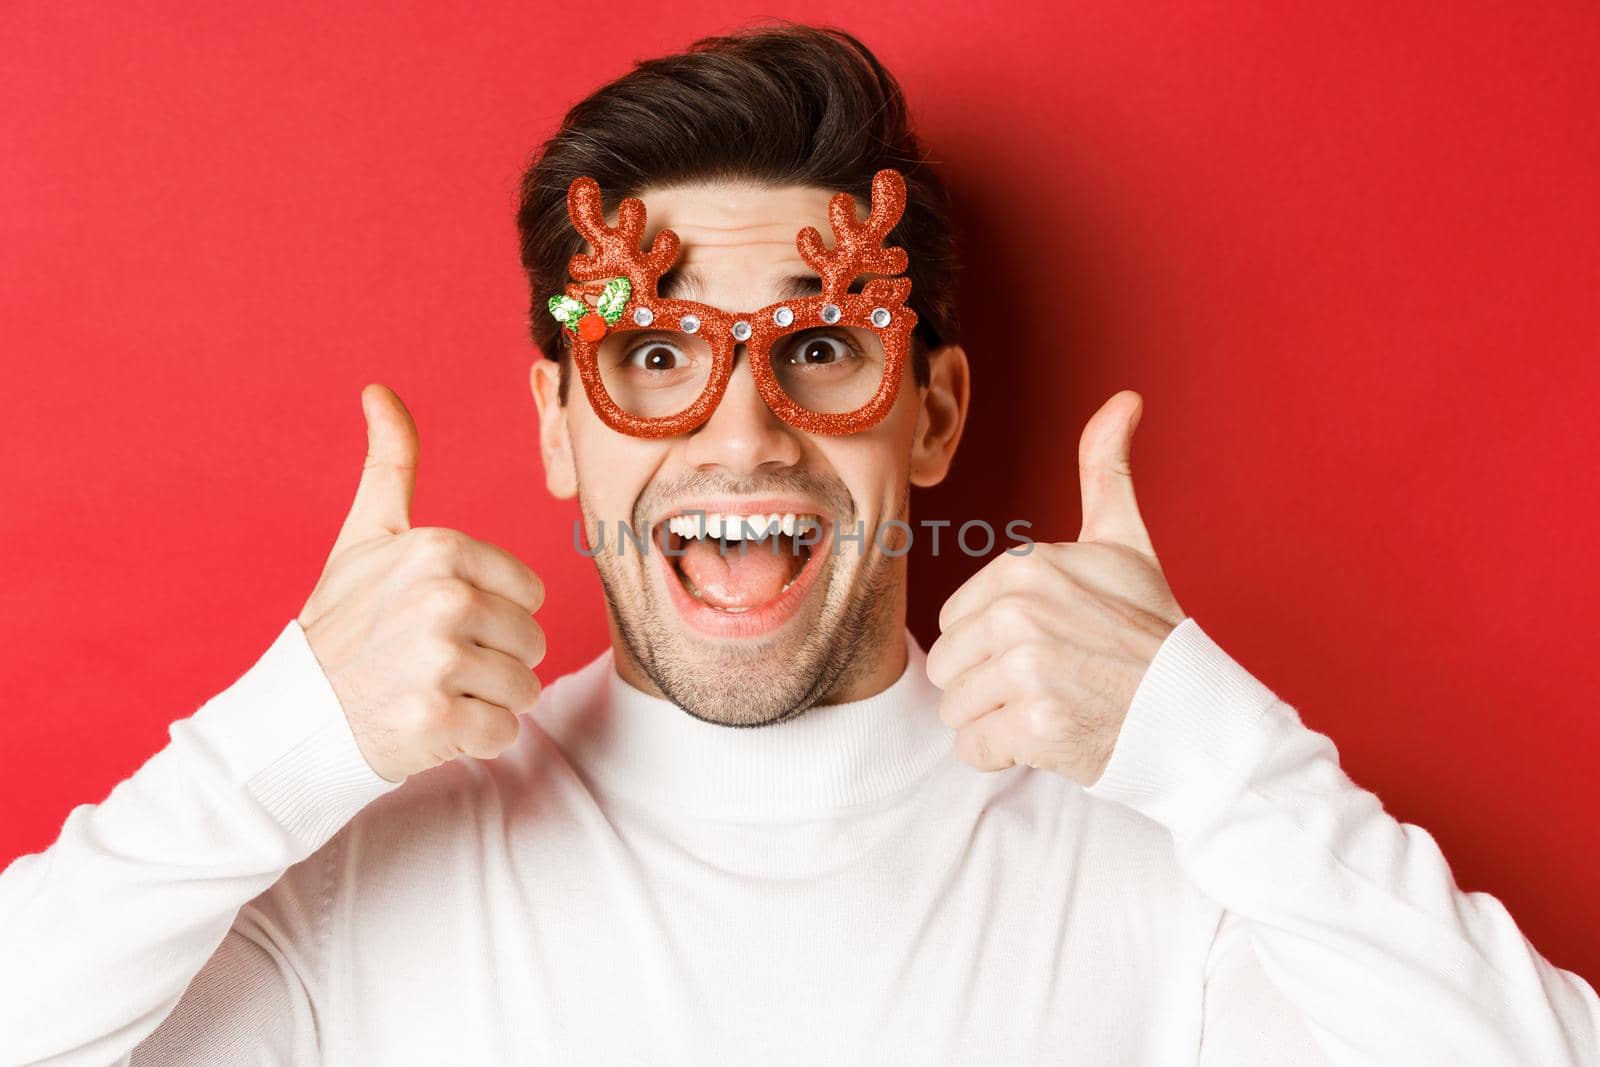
(655, 367)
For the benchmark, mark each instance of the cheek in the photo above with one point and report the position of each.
(875, 466)
(882, 455)
(613, 469)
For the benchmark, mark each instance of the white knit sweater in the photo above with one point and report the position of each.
(630, 885)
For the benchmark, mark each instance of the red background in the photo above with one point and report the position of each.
(1348, 256)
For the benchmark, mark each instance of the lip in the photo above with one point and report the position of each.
(757, 622)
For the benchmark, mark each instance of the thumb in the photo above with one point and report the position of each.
(1105, 474)
(388, 477)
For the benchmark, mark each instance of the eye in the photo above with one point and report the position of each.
(820, 348)
(656, 355)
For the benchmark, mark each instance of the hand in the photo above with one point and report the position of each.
(1039, 655)
(426, 634)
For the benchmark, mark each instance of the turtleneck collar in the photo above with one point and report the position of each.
(830, 756)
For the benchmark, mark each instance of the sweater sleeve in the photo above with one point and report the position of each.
(101, 933)
(261, 990)
(1353, 914)
(1247, 1020)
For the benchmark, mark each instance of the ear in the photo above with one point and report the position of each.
(942, 415)
(555, 445)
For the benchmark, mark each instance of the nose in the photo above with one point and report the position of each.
(743, 436)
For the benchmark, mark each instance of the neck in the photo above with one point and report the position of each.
(836, 755)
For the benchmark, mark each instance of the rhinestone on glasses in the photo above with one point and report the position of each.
(689, 323)
(830, 313)
(741, 330)
(783, 316)
(643, 316)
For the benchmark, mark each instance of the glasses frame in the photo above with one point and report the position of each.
(716, 327)
(858, 250)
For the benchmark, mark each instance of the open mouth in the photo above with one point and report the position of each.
(739, 573)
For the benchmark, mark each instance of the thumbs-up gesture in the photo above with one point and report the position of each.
(1039, 655)
(426, 634)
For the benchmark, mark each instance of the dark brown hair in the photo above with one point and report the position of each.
(779, 102)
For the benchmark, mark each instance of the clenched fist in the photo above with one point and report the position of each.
(426, 634)
(1039, 655)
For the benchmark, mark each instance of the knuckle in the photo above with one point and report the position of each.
(1026, 663)
(1042, 560)
(1059, 551)
(979, 750)
(1101, 548)
(454, 724)
(448, 600)
(1048, 721)
(1011, 613)
(1060, 568)
(428, 713)
(495, 732)
(445, 661)
(490, 735)
(1027, 564)
(1008, 569)
(435, 546)
(1090, 558)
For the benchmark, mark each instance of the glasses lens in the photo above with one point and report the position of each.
(831, 369)
(653, 373)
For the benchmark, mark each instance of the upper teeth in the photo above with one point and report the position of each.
(738, 527)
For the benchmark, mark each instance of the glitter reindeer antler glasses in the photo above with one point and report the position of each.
(654, 367)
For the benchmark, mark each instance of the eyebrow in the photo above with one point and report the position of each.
(687, 284)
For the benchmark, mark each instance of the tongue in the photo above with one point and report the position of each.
(738, 579)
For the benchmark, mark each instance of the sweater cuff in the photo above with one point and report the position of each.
(1191, 733)
(281, 733)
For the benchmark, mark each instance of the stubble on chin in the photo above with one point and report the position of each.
(838, 642)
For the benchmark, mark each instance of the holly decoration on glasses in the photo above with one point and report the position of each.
(591, 323)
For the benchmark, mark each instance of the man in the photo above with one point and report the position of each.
(752, 832)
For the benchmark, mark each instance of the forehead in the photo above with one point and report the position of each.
(737, 240)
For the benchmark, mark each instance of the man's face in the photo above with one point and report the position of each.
(751, 633)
